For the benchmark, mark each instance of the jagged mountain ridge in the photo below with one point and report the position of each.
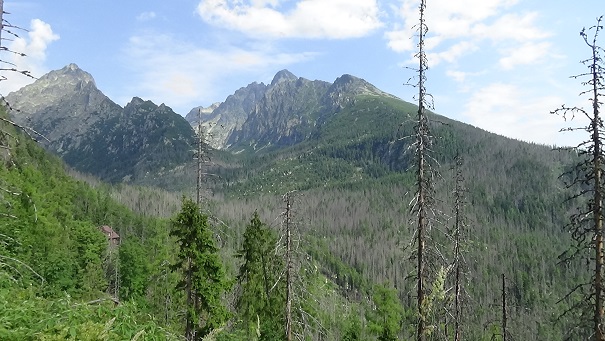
(95, 135)
(229, 115)
(283, 113)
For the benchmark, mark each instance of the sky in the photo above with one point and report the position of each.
(500, 65)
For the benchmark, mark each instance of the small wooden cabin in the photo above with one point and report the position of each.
(112, 236)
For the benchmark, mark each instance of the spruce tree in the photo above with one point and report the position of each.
(261, 300)
(203, 277)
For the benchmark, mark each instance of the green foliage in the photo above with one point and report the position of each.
(203, 276)
(261, 303)
(385, 320)
(353, 329)
(26, 316)
(134, 270)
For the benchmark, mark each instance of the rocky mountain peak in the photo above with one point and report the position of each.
(283, 76)
(70, 73)
(349, 83)
(206, 112)
(346, 88)
(69, 83)
(135, 101)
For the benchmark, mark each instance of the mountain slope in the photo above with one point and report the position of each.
(95, 135)
(285, 115)
(229, 115)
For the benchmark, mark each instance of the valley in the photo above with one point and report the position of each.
(343, 150)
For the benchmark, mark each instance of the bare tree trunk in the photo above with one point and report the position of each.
(459, 224)
(598, 203)
(421, 150)
(503, 308)
(1, 20)
(587, 224)
(289, 266)
(200, 155)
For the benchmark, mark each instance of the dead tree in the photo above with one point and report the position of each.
(202, 156)
(8, 29)
(9, 133)
(504, 316)
(422, 207)
(586, 178)
(287, 223)
(458, 237)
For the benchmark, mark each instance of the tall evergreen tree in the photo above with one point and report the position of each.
(261, 300)
(203, 277)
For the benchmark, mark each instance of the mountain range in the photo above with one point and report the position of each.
(95, 135)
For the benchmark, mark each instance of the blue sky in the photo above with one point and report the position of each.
(501, 65)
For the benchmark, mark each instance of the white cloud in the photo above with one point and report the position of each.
(458, 28)
(400, 40)
(526, 54)
(452, 53)
(511, 111)
(34, 46)
(331, 19)
(512, 26)
(183, 75)
(146, 16)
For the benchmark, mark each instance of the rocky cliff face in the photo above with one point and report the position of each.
(95, 135)
(285, 114)
(62, 105)
(292, 108)
(221, 121)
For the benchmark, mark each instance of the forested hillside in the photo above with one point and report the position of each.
(353, 187)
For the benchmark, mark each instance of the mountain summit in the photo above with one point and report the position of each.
(283, 76)
(56, 86)
(95, 135)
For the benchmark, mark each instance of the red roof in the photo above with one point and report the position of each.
(109, 232)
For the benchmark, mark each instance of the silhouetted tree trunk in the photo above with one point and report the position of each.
(587, 224)
(1, 20)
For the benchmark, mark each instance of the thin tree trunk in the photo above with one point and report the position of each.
(289, 268)
(422, 219)
(459, 224)
(598, 204)
(200, 151)
(458, 284)
(503, 308)
(1, 20)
